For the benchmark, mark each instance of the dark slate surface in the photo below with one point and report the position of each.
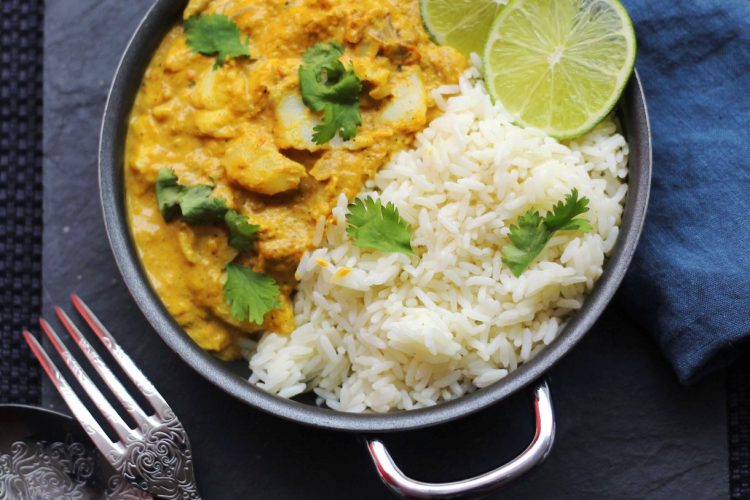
(625, 427)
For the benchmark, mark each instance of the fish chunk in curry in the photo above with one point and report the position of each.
(243, 128)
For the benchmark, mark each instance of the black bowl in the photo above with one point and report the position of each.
(232, 377)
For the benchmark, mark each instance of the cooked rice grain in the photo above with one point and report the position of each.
(395, 332)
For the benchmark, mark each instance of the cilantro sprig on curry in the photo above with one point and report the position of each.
(253, 118)
(216, 35)
(327, 86)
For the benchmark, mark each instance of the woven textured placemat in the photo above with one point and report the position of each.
(21, 46)
(738, 401)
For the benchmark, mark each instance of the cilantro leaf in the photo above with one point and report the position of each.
(168, 194)
(194, 203)
(242, 234)
(216, 34)
(562, 216)
(373, 226)
(199, 207)
(327, 86)
(528, 239)
(343, 119)
(250, 295)
(532, 231)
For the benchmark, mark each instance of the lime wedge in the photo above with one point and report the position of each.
(462, 24)
(559, 65)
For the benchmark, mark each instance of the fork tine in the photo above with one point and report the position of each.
(110, 414)
(112, 451)
(131, 370)
(109, 378)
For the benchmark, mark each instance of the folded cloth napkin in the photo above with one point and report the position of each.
(690, 280)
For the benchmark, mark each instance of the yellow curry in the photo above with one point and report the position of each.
(243, 128)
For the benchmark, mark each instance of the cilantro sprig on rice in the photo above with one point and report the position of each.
(531, 233)
(377, 227)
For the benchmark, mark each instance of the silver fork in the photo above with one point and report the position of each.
(155, 456)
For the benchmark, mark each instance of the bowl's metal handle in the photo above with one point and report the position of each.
(533, 455)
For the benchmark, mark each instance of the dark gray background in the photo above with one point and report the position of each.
(625, 427)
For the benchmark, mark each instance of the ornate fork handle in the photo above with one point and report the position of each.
(161, 463)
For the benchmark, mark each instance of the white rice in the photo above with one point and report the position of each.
(380, 332)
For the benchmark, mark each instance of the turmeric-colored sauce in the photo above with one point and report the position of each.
(244, 129)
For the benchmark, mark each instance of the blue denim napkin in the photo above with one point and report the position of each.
(690, 280)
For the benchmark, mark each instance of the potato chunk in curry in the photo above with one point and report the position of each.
(243, 128)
